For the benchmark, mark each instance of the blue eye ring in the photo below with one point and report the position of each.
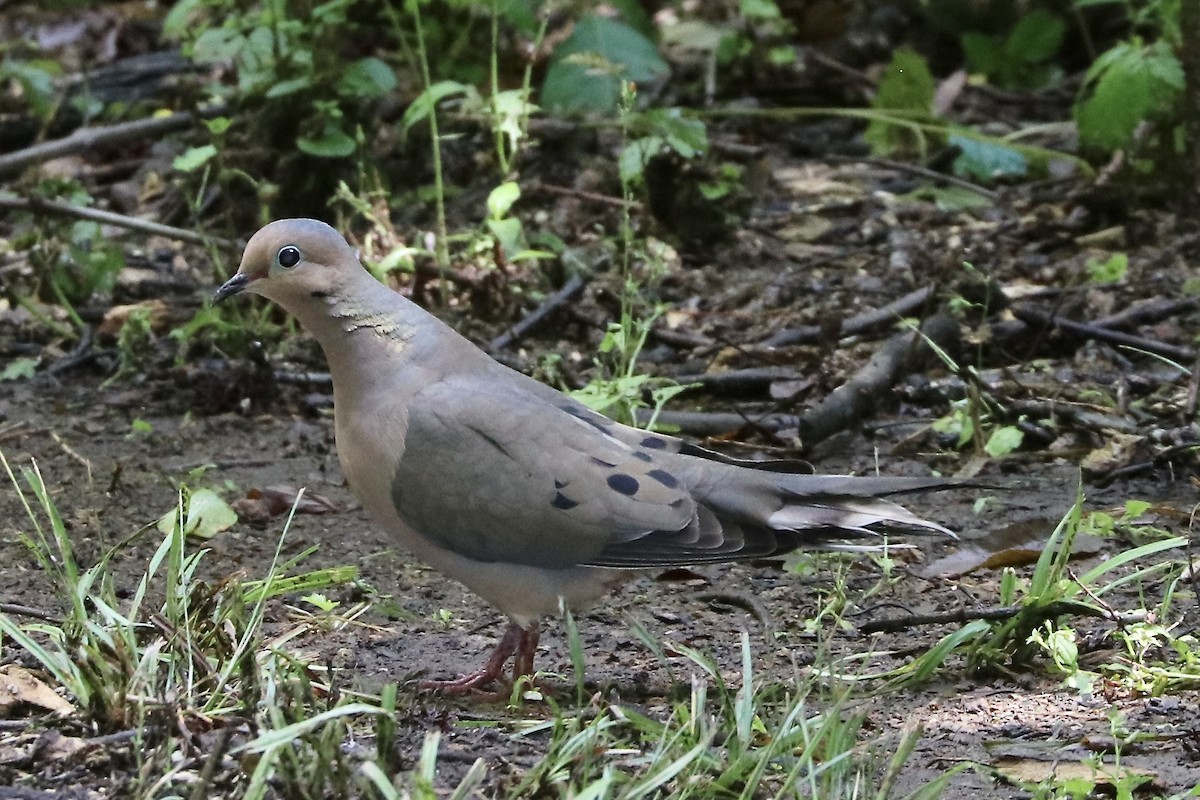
(288, 256)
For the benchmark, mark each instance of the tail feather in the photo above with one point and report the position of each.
(746, 512)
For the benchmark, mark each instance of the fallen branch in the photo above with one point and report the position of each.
(1084, 330)
(112, 218)
(900, 355)
(859, 324)
(104, 136)
(714, 423)
(581, 194)
(1049, 611)
(569, 291)
(740, 381)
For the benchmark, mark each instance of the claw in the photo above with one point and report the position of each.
(518, 643)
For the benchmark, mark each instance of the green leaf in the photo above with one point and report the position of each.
(950, 198)
(983, 52)
(1004, 441)
(1112, 269)
(193, 158)
(501, 199)
(507, 233)
(986, 160)
(687, 136)
(19, 369)
(290, 86)
(760, 9)
(322, 602)
(1135, 508)
(427, 101)
(332, 143)
(906, 86)
(509, 111)
(217, 44)
(1035, 38)
(1127, 85)
(586, 69)
(367, 78)
(632, 161)
(205, 515)
(37, 82)
(218, 126)
(175, 23)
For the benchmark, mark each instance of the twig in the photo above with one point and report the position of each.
(1033, 317)
(1160, 457)
(680, 338)
(714, 423)
(901, 354)
(204, 780)
(915, 169)
(858, 324)
(569, 291)
(1048, 611)
(594, 197)
(14, 429)
(89, 138)
(111, 218)
(70, 451)
(744, 601)
(740, 381)
(29, 611)
(1146, 312)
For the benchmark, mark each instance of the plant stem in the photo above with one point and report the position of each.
(442, 247)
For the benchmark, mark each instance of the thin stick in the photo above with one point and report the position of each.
(105, 135)
(111, 218)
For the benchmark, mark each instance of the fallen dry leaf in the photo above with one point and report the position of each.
(1012, 546)
(20, 687)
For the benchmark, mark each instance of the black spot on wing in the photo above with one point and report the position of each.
(639, 455)
(602, 462)
(665, 478)
(654, 443)
(562, 502)
(623, 484)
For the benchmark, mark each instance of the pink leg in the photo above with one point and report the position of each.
(515, 640)
(526, 649)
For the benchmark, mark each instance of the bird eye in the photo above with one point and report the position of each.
(288, 256)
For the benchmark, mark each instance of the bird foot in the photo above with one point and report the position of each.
(471, 683)
(518, 643)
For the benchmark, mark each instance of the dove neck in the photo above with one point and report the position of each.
(360, 324)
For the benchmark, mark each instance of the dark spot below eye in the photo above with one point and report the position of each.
(664, 477)
(654, 443)
(602, 462)
(559, 484)
(677, 503)
(320, 294)
(623, 484)
(562, 502)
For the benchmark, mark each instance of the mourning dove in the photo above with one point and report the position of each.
(526, 496)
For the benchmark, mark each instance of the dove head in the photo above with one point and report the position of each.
(292, 261)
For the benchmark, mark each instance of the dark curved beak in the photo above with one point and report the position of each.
(229, 288)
